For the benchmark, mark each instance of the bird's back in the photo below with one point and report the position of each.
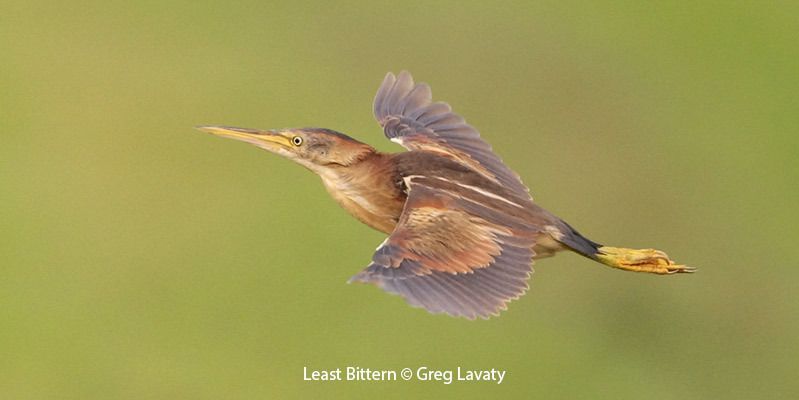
(468, 183)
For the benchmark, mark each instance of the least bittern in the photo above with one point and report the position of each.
(463, 229)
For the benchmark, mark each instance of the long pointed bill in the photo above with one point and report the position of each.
(273, 141)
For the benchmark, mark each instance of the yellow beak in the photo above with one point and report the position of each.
(269, 140)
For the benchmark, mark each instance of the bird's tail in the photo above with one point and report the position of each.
(637, 260)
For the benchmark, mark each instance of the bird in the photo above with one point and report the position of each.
(463, 230)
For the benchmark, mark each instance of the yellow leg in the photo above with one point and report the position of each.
(644, 260)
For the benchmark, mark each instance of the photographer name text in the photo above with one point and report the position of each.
(423, 374)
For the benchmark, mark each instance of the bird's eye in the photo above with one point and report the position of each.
(296, 140)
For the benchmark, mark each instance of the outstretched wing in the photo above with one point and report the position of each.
(452, 254)
(409, 117)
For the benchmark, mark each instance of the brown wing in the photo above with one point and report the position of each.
(409, 117)
(451, 254)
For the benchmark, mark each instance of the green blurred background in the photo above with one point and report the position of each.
(143, 259)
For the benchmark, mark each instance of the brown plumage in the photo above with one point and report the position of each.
(463, 228)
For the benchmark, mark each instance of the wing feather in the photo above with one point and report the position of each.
(449, 254)
(407, 114)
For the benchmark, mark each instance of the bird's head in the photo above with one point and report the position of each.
(317, 149)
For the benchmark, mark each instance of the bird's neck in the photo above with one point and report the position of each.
(367, 189)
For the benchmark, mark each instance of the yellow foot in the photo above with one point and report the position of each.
(644, 260)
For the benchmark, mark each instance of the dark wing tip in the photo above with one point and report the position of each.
(391, 96)
(484, 293)
(382, 92)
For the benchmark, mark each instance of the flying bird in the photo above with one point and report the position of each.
(463, 230)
